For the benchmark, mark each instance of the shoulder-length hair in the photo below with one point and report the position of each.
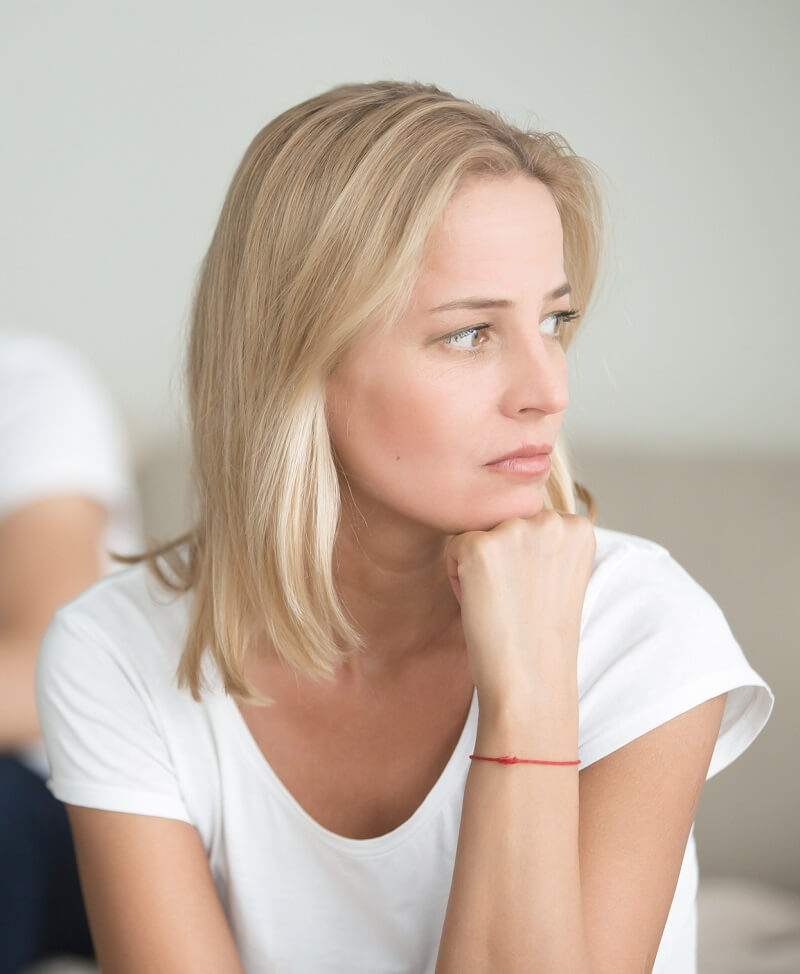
(321, 236)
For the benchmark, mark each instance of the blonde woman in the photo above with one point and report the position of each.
(278, 736)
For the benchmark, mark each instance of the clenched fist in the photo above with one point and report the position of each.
(521, 588)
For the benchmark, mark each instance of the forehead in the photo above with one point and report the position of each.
(496, 230)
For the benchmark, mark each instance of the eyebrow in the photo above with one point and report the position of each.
(479, 303)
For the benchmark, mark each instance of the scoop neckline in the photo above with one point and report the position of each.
(457, 765)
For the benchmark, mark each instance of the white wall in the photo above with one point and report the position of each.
(122, 124)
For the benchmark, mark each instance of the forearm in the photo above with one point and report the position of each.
(515, 900)
(19, 720)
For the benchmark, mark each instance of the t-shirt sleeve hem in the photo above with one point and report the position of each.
(119, 800)
(748, 707)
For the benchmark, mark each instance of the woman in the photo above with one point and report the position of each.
(272, 748)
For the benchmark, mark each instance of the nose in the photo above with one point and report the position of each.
(537, 376)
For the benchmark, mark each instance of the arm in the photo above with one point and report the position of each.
(150, 896)
(557, 872)
(49, 552)
(515, 898)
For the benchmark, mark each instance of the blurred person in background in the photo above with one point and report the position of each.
(66, 497)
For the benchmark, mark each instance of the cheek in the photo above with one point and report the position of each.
(411, 420)
(387, 427)
(414, 443)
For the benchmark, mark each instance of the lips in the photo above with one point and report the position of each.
(529, 450)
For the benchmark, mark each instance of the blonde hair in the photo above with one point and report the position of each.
(321, 236)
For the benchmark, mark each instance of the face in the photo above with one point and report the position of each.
(415, 415)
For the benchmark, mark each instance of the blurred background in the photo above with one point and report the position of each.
(123, 124)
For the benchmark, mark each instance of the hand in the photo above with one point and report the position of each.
(521, 588)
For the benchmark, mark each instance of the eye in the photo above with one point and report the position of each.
(561, 318)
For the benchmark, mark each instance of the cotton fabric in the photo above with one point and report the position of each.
(298, 897)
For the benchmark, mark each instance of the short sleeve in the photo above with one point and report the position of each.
(59, 432)
(100, 726)
(655, 644)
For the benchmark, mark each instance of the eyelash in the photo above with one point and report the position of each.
(562, 316)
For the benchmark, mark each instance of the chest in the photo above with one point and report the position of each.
(361, 765)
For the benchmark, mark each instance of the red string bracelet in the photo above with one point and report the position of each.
(506, 759)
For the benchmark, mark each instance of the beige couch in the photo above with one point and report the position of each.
(734, 525)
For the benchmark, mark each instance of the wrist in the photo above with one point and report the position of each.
(550, 697)
(545, 733)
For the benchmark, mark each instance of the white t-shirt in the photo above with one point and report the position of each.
(60, 434)
(298, 897)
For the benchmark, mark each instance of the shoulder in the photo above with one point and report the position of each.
(617, 554)
(636, 581)
(639, 592)
(613, 545)
(36, 357)
(49, 387)
(654, 644)
(126, 624)
(120, 734)
(60, 433)
(641, 578)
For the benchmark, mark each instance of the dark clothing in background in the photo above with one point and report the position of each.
(41, 907)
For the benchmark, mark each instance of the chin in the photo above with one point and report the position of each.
(490, 521)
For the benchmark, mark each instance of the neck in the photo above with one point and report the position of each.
(395, 588)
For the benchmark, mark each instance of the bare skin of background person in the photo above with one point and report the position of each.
(49, 552)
